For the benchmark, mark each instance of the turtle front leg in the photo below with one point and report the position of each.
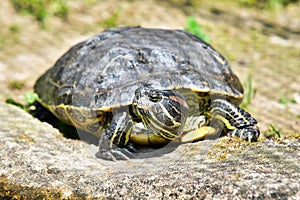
(113, 144)
(239, 122)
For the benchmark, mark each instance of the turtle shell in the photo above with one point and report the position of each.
(104, 71)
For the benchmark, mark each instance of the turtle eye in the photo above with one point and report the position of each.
(155, 96)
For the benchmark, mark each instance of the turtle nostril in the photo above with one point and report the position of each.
(137, 95)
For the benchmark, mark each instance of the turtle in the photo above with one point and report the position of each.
(134, 86)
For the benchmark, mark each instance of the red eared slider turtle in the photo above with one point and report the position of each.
(166, 80)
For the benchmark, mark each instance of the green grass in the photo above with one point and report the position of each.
(9, 35)
(273, 132)
(16, 85)
(42, 9)
(249, 92)
(285, 100)
(3, 40)
(111, 21)
(268, 4)
(195, 28)
(14, 28)
(29, 98)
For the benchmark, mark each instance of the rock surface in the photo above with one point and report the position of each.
(38, 162)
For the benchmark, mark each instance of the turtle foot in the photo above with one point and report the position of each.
(250, 133)
(117, 154)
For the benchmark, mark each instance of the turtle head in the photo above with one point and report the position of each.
(162, 112)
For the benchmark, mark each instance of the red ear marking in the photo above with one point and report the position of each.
(180, 101)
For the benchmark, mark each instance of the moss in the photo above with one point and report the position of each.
(228, 146)
(16, 85)
(25, 137)
(233, 146)
(10, 190)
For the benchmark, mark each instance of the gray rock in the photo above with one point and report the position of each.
(38, 162)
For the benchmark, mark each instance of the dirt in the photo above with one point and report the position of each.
(262, 44)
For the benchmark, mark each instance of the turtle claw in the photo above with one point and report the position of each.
(117, 154)
(130, 149)
(112, 155)
(249, 134)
